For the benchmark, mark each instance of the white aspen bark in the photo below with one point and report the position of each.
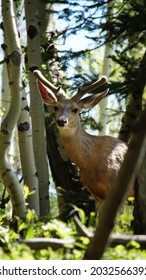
(8, 176)
(47, 28)
(106, 69)
(5, 95)
(103, 104)
(13, 151)
(37, 109)
(27, 156)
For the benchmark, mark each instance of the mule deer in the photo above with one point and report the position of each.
(98, 157)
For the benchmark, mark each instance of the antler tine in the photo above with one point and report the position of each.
(44, 81)
(89, 88)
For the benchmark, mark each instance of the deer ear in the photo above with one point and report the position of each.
(47, 95)
(92, 100)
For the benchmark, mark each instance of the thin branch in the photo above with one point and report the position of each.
(43, 243)
(54, 243)
(81, 229)
(4, 60)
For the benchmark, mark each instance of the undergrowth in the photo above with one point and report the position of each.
(12, 247)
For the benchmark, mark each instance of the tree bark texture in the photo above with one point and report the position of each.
(29, 171)
(14, 51)
(134, 103)
(37, 108)
(139, 222)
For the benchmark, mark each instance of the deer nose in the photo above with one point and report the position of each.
(61, 122)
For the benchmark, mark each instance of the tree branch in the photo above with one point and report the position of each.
(54, 243)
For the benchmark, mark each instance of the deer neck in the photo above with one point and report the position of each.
(78, 145)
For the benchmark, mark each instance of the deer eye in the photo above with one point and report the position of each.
(75, 110)
(56, 108)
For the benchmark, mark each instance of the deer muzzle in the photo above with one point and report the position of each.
(62, 122)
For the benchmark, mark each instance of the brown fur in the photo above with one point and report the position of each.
(98, 157)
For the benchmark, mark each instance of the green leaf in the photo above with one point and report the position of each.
(30, 233)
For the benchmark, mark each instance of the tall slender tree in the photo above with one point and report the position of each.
(37, 109)
(106, 70)
(29, 171)
(14, 54)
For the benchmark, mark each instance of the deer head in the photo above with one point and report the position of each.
(67, 110)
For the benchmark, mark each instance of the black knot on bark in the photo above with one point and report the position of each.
(33, 67)
(23, 126)
(32, 31)
(16, 57)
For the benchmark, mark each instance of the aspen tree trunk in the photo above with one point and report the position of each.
(12, 41)
(29, 171)
(13, 151)
(5, 95)
(27, 155)
(37, 108)
(106, 69)
(103, 104)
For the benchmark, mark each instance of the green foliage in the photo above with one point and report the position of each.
(96, 23)
(130, 252)
(11, 247)
(124, 221)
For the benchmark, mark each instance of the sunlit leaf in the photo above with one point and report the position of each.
(30, 233)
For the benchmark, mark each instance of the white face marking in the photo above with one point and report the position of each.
(67, 115)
